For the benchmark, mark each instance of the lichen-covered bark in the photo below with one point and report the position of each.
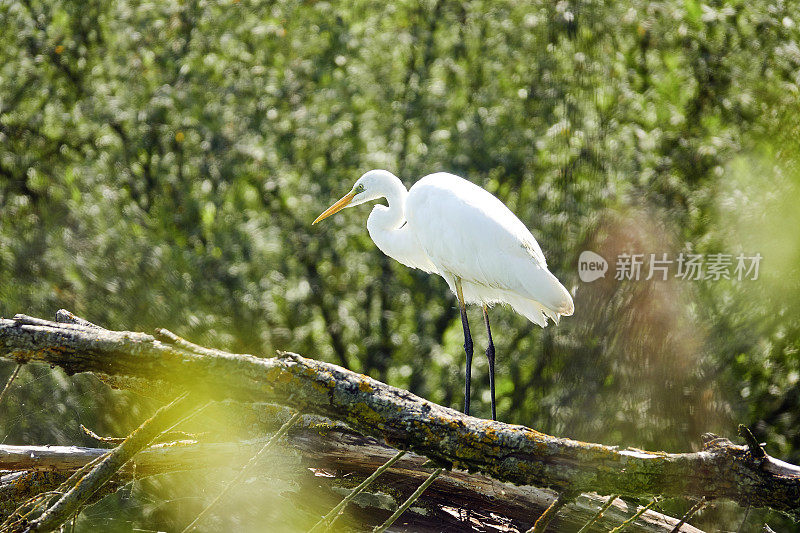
(83, 490)
(505, 452)
(17, 487)
(346, 457)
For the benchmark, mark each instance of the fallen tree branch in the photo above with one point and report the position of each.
(505, 452)
(81, 492)
(344, 454)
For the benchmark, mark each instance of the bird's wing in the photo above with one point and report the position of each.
(469, 233)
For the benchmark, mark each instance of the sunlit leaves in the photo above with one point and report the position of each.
(160, 164)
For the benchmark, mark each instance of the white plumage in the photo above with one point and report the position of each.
(468, 233)
(450, 226)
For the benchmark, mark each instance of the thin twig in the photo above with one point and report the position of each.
(744, 520)
(599, 513)
(329, 519)
(406, 504)
(79, 473)
(281, 432)
(696, 507)
(10, 381)
(65, 317)
(633, 519)
(95, 436)
(166, 436)
(541, 523)
(165, 335)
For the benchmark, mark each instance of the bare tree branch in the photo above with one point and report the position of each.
(505, 452)
(342, 452)
(77, 496)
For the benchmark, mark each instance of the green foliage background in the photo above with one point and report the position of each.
(160, 164)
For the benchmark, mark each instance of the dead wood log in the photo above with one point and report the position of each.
(505, 452)
(344, 456)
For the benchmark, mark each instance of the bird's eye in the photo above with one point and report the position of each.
(359, 188)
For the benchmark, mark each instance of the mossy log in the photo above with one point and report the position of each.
(343, 458)
(505, 452)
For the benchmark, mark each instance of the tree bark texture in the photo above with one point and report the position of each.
(504, 452)
(340, 456)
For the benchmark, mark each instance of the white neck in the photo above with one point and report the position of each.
(391, 217)
(388, 229)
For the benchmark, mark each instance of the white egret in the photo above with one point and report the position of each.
(449, 226)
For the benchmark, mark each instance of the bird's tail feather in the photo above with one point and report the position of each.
(534, 311)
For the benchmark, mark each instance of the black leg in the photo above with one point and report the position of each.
(467, 345)
(490, 357)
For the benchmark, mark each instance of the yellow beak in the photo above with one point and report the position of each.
(335, 208)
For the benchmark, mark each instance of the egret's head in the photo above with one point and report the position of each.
(369, 186)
